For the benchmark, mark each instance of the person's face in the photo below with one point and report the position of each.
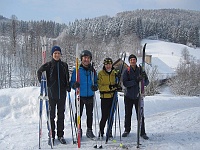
(86, 60)
(56, 55)
(133, 62)
(108, 67)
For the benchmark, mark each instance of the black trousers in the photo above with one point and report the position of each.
(106, 104)
(128, 113)
(88, 102)
(60, 116)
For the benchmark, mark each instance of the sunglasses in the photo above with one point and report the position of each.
(107, 62)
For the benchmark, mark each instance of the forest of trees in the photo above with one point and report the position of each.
(20, 44)
(187, 80)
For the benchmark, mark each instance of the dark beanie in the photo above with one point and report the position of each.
(55, 48)
(107, 61)
(132, 56)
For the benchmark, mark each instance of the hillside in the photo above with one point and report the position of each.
(103, 36)
(166, 55)
(169, 52)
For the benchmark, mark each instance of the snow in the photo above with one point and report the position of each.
(172, 122)
(168, 52)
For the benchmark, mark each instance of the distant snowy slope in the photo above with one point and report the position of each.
(164, 70)
(166, 56)
(169, 53)
(162, 67)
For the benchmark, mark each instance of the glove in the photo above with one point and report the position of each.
(94, 88)
(139, 78)
(119, 88)
(76, 85)
(143, 74)
(68, 89)
(114, 86)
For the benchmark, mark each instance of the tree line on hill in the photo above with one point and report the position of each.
(105, 36)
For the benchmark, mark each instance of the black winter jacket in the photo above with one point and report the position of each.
(131, 83)
(57, 78)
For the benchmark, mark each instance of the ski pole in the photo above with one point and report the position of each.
(40, 113)
(72, 120)
(96, 116)
(110, 119)
(119, 121)
(115, 123)
(47, 108)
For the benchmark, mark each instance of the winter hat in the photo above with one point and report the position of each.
(132, 56)
(86, 53)
(107, 61)
(55, 48)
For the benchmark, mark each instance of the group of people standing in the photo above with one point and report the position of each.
(105, 81)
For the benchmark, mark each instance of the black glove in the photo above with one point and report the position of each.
(139, 78)
(68, 89)
(94, 88)
(143, 74)
(119, 88)
(114, 86)
(76, 85)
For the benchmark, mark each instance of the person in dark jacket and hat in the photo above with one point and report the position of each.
(58, 83)
(131, 79)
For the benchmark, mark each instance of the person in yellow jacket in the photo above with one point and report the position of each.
(107, 86)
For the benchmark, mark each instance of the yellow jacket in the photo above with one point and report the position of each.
(104, 80)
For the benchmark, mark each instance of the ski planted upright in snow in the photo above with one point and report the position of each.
(44, 96)
(141, 99)
(78, 99)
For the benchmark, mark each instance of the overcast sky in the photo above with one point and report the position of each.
(63, 11)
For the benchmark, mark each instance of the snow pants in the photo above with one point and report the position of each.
(60, 116)
(128, 113)
(88, 102)
(106, 104)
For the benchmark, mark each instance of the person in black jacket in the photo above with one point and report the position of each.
(58, 83)
(131, 79)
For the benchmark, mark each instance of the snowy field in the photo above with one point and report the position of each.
(172, 122)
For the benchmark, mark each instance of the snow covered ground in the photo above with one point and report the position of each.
(172, 122)
(168, 52)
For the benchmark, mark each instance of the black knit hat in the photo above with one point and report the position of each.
(55, 48)
(107, 61)
(132, 56)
